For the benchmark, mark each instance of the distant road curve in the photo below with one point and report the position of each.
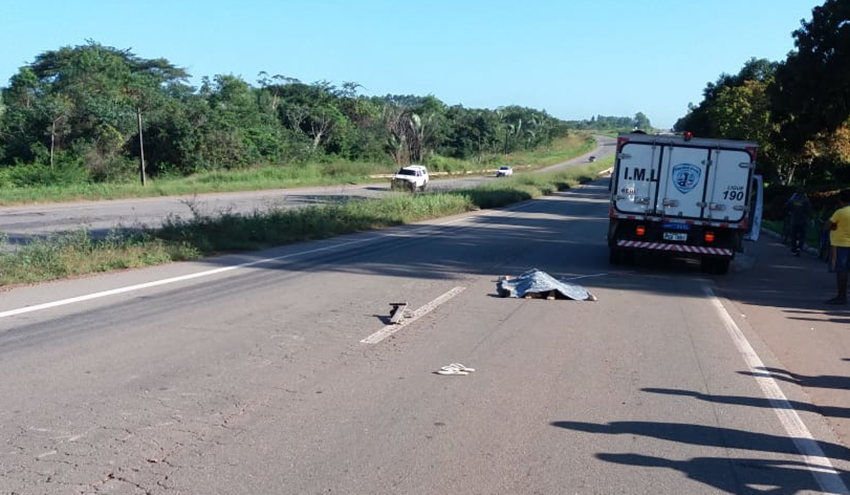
(21, 222)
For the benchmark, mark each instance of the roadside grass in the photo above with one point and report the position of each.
(253, 179)
(76, 253)
(228, 231)
(282, 176)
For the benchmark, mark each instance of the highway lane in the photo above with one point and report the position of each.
(99, 217)
(255, 379)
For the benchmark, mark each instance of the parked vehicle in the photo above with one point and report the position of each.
(504, 171)
(410, 178)
(683, 196)
(592, 159)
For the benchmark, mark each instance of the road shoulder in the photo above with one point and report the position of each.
(782, 298)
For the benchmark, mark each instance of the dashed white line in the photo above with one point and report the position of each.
(419, 313)
(819, 465)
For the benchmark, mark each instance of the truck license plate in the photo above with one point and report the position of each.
(675, 236)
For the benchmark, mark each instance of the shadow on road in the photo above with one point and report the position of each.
(708, 436)
(761, 402)
(822, 381)
(729, 474)
(753, 476)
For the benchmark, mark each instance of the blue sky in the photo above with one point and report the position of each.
(573, 58)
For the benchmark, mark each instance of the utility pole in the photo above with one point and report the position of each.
(141, 147)
(53, 138)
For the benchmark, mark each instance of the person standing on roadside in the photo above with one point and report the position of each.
(799, 208)
(839, 237)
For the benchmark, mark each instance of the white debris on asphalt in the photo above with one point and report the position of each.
(455, 369)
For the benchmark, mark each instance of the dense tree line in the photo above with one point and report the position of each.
(609, 123)
(798, 109)
(75, 113)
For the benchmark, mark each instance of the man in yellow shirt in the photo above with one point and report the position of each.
(839, 237)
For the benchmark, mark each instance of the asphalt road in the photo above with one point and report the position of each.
(19, 223)
(249, 374)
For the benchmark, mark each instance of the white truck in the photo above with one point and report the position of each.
(683, 196)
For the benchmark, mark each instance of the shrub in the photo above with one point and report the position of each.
(38, 175)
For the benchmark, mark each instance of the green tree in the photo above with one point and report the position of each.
(174, 133)
(472, 133)
(57, 109)
(812, 90)
(642, 122)
(425, 127)
(234, 133)
(605, 123)
(104, 107)
(364, 135)
(21, 119)
(81, 98)
(709, 119)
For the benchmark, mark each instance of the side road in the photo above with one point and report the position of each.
(18, 223)
(782, 297)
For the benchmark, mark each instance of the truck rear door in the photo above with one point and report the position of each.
(636, 182)
(683, 184)
(727, 194)
(756, 208)
(661, 179)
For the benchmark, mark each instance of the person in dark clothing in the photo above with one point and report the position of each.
(799, 208)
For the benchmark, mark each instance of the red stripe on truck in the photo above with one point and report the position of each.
(679, 248)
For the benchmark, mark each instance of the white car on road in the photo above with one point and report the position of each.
(504, 171)
(411, 178)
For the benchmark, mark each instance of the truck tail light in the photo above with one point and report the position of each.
(640, 230)
(709, 236)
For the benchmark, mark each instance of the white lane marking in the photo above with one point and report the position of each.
(819, 465)
(585, 276)
(166, 281)
(419, 313)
